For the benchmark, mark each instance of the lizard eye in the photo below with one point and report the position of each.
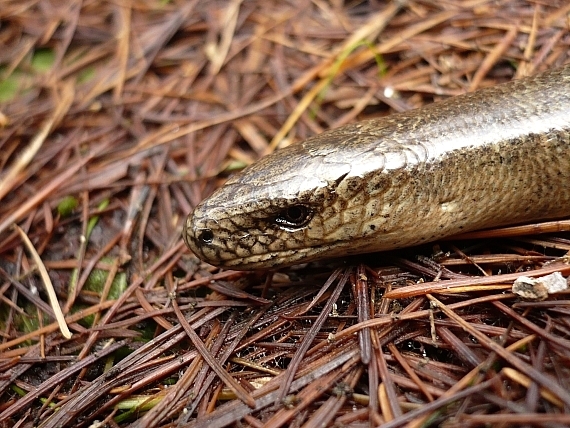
(294, 217)
(206, 236)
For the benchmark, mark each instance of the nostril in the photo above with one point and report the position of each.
(206, 236)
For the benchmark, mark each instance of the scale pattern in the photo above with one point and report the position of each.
(494, 157)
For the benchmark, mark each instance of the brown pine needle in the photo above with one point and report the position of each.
(47, 283)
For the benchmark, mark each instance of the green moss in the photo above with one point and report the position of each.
(98, 277)
(67, 205)
(9, 88)
(86, 75)
(43, 60)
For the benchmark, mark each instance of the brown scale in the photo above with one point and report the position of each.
(494, 157)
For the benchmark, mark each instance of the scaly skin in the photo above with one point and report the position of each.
(497, 156)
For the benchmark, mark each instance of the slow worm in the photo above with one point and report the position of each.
(494, 157)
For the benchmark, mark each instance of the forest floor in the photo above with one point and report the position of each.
(117, 118)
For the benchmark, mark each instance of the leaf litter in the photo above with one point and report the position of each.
(116, 118)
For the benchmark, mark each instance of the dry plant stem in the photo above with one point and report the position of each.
(382, 48)
(361, 294)
(525, 69)
(310, 335)
(533, 391)
(65, 98)
(75, 284)
(27, 293)
(520, 365)
(234, 411)
(47, 283)
(36, 200)
(202, 386)
(218, 53)
(385, 404)
(166, 101)
(469, 260)
(495, 259)
(374, 26)
(558, 244)
(388, 387)
(51, 383)
(546, 335)
(374, 404)
(528, 383)
(230, 382)
(117, 304)
(384, 393)
(402, 361)
(13, 370)
(437, 404)
(462, 350)
(126, 371)
(174, 395)
(536, 419)
(304, 398)
(149, 309)
(493, 57)
(450, 286)
(378, 322)
(70, 319)
(324, 415)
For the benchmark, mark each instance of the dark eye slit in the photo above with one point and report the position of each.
(295, 216)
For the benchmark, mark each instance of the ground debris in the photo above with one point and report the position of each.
(116, 118)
